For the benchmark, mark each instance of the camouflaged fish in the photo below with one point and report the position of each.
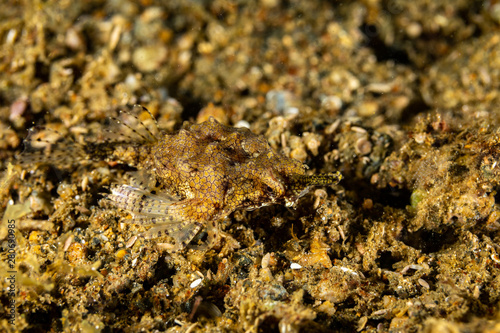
(194, 178)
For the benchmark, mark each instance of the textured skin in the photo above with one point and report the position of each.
(209, 170)
(187, 180)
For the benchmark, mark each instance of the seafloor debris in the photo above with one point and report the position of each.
(399, 96)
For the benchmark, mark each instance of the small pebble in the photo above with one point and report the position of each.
(195, 283)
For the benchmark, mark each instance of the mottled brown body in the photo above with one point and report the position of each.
(213, 170)
(196, 177)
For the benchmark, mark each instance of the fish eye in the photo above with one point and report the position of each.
(268, 190)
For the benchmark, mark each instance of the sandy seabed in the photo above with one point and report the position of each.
(401, 97)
